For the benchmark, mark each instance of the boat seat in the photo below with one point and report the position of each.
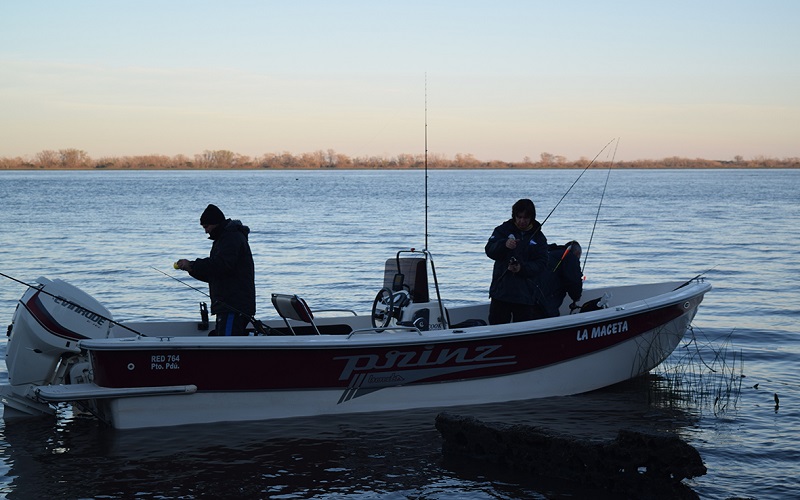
(408, 273)
(295, 308)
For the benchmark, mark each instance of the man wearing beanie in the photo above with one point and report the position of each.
(228, 270)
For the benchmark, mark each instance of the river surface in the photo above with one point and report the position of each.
(325, 235)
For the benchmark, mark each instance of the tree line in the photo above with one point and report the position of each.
(221, 159)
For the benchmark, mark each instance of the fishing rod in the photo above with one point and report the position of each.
(41, 290)
(257, 324)
(576, 181)
(181, 282)
(597, 216)
(541, 224)
(696, 277)
(573, 306)
(567, 250)
(427, 254)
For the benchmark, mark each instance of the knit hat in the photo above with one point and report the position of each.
(212, 215)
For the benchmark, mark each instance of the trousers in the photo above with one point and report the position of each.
(501, 312)
(230, 324)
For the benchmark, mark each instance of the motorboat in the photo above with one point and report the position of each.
(411, 350)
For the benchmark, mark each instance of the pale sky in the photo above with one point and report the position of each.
(504, 79)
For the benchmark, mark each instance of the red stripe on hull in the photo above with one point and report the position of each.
(318, 367)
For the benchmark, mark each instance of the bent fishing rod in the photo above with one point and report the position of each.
(41, 290)
(565, 195)
(597, 216)
(257, 324)
(569, 247)
(541, 224)
(576, 181)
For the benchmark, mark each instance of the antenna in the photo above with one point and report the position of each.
(426, 161)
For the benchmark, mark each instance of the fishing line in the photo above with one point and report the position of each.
(257, 324)
(181, 282)
(597, 216)
(40, 288)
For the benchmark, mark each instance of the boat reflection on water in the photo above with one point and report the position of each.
(381, 453)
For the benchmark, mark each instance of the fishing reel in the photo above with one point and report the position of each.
(388, 305)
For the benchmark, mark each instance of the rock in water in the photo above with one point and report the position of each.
(634, 464)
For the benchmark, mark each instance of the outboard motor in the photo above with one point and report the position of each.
(46, 327)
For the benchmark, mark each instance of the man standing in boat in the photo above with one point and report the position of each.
(519, 250)
(228, 270)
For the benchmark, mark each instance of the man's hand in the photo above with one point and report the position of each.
(184, 264)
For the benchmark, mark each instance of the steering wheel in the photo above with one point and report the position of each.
(382, 309)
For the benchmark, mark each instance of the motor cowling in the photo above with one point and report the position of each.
(422, 316)
(48, 323)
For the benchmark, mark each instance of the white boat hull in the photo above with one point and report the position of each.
(170, 373)
(621, 362)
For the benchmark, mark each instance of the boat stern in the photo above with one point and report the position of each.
(43, 346)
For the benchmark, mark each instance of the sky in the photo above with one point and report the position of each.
(499, 80)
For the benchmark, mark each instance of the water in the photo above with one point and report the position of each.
(326, 235)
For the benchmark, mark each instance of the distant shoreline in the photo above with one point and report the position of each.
(597, 166)
(334, 169)
(75, 159)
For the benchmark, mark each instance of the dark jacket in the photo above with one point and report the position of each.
(531, 252)
(561, 277)
(229, 270)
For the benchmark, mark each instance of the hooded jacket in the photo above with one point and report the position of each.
(229, 270)
(531, 252)
(561, 277)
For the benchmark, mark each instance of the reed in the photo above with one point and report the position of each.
(702, 374)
